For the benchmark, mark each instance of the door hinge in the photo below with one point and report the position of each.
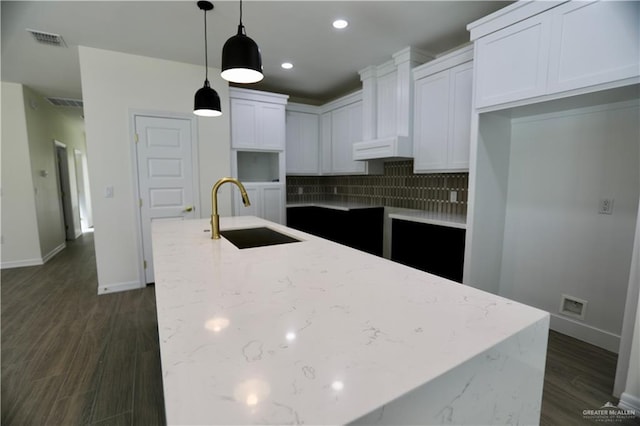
(136, 138)
(140, 202)
(145, 264)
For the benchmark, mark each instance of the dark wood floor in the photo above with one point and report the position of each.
(70, 357)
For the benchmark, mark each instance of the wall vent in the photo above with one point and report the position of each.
(63, 102)
(573, 307)
(47, 38)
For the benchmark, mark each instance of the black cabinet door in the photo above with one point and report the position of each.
(438, 250)
(360, 228)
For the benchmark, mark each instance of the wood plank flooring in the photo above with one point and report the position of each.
(70, 357)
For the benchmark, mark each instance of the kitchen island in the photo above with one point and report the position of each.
(315, 332)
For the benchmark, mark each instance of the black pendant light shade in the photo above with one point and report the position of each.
(241, 59)
(206, 102)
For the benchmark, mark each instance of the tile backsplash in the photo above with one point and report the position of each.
(397, 187)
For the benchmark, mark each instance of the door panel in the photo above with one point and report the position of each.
(166, 181)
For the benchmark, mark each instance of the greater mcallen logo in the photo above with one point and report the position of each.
(608, 413)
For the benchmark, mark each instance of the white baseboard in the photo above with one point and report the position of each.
(53, 252)
(629, 402)
(78, 234)
(35, 261)
(117, 287)
(22, 263)
(595, 336)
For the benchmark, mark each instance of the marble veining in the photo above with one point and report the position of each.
(319, 333)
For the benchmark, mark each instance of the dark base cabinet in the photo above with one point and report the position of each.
(361, 229)
(438, 250)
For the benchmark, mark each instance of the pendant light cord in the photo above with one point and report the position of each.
(206, 57)
(241, 27)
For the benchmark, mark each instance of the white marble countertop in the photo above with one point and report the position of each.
(310, 332)
(335, 205)
(450, 220)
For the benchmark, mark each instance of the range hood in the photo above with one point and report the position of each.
(387, 107)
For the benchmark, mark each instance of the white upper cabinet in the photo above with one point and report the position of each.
(257, 120)
(512, 64)
(593, 43)
(442, 122)
(325, 143)
(303, 143)
(346, 129)
(548, 50)
(341, 125)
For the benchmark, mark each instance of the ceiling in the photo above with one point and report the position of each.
(326, 61)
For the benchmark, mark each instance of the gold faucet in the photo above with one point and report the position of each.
(215, 219)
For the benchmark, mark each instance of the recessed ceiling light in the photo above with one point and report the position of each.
(340, 24)
(287, 65)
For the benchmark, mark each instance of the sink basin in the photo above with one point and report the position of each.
(256, 237)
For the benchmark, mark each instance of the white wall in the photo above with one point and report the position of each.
(114, 84)
(555, 241)
(20, 241)
(46, 123)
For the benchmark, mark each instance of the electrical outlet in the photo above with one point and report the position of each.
(606, 206)
(108, 192)
(299, 190)
(453, 196)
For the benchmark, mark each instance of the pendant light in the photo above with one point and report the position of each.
(241, 59)
(207, 101)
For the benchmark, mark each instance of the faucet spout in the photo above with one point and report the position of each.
(215, 218)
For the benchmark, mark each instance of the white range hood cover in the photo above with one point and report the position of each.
(387, 105)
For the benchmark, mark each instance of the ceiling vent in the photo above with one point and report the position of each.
(62, 102)
(47, 38)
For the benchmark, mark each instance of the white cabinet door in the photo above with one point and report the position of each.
(271, 121)
(511, 64)
(254, 194)
(460, 92)
(325, 142)
(431, 122)
(346, 128)
(273, 204)
(593, 43)
(267, 202)
(302, 143)
(442, 120)
(244, 123)
(257, 125)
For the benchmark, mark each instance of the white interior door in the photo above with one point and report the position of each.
(166, 178)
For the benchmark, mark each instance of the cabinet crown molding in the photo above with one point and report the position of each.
(443, 62)
(258, 95)
(509, 15)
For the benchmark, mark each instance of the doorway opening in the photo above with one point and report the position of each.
(64, 192)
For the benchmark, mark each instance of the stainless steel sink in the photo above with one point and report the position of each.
(256, 237)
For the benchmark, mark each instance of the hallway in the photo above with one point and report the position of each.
(71, 357)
